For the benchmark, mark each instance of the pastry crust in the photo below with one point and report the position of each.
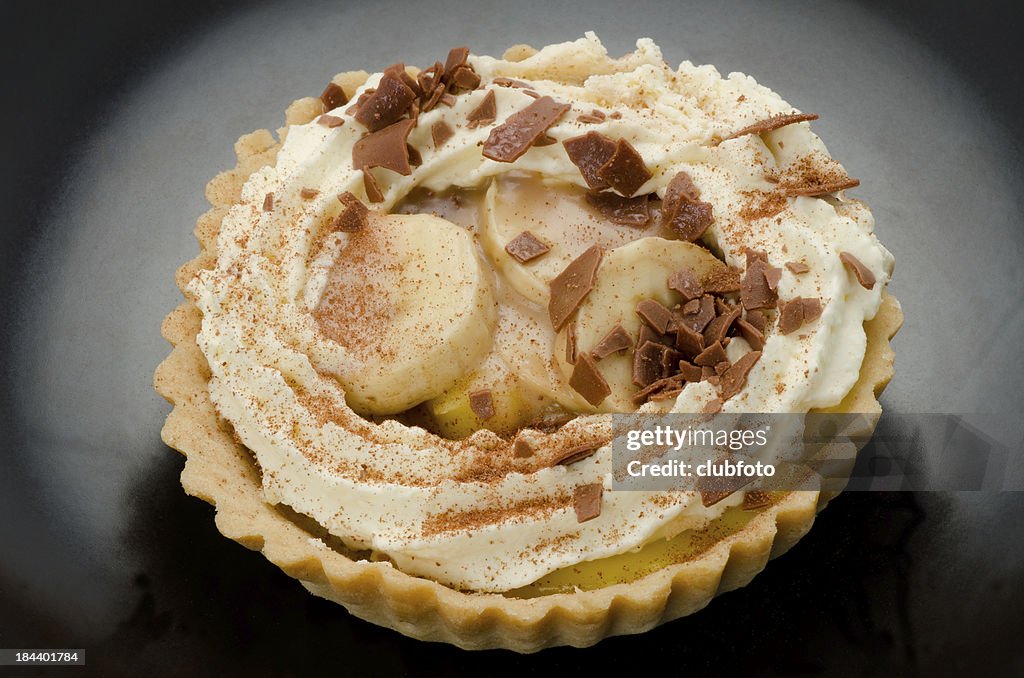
(221, 471)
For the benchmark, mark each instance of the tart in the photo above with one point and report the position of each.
(416, 312)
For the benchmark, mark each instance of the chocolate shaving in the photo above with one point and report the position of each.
(544, 141)
(647, 334)
(388, 103)
(667, 394)
(509, 82)
(447, 99)
(415, 159)
(668, 383)
(797, 267)
(711, 356)
(654, 314)
(456, 57)
(330, 121)
(697, 313)
(586, 501)
(864, 275)
(755, 499)
(647, 366)
(572, 285)
(736, 376)
(511, 139)
(465, 78)
(372, 188)
(822, 189)
(689, 342)
(773, 123)
(482, 404)
(718, 328)
(590, 118)
(797, 312)
(431, 101)
(685, 282)
(625, 170)
(713, 406)
(757, 319)
(571, 349)
(354, 216)
(683, 211)
(588, 381)
(484, 113)
(753, 336)
(526, 247)
(617, 339)
(268, 202)
(308, 193)
(626, 211)
(589, 153)
(576, 453)
(690, 372)
(332, 97)
(712, 497)
(441, 132)
(522, 448)
(385, 148)
(722, 280)
(755, 289)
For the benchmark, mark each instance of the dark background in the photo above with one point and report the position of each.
(100, 548)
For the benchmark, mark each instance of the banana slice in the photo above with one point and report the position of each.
(629, 274)
(412, 305)
(559, 216)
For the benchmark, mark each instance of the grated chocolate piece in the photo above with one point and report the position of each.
(447, 99)
(647, 366)
(617, 339)
(797, 312)
(589, 118)
(578, 452)
(456, 57)
(526, 247)
(440, 133)
(864, 275)
(755, 289)
(330, 121)
(388, 103)
(697, 313)
(669, 383)
(711, 356)
(464, 78)
(823, 188)
(626, 211)
(689, 342)
(429, 102)
(683, 211)
(797, 267)
(625, 170)
(511, 139)
(571, 349)
(686, 283)
(712, 497)
(758, 319)
(484, 113)
(482, 404)
(773, 123)
(713, 406)
(387, 148)
(690, 372)
(586, 501)
(736, 376)
(654, 314)
(268, 202)
(354, 215)
(333, 96)
(429, 78)
(718, 328)
(588, 381)
(572, 285)
(725, 280)
(589, 153)
(372, 188)
(509, 82)
(753, 336)
(647, 334)
(308, 193)
(522, 448)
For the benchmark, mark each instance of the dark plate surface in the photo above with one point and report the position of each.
(118, 115)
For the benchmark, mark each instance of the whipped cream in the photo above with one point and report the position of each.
(412, 496)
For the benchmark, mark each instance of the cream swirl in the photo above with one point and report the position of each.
(423, 501)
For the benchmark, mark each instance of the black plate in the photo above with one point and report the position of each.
(116, 116)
